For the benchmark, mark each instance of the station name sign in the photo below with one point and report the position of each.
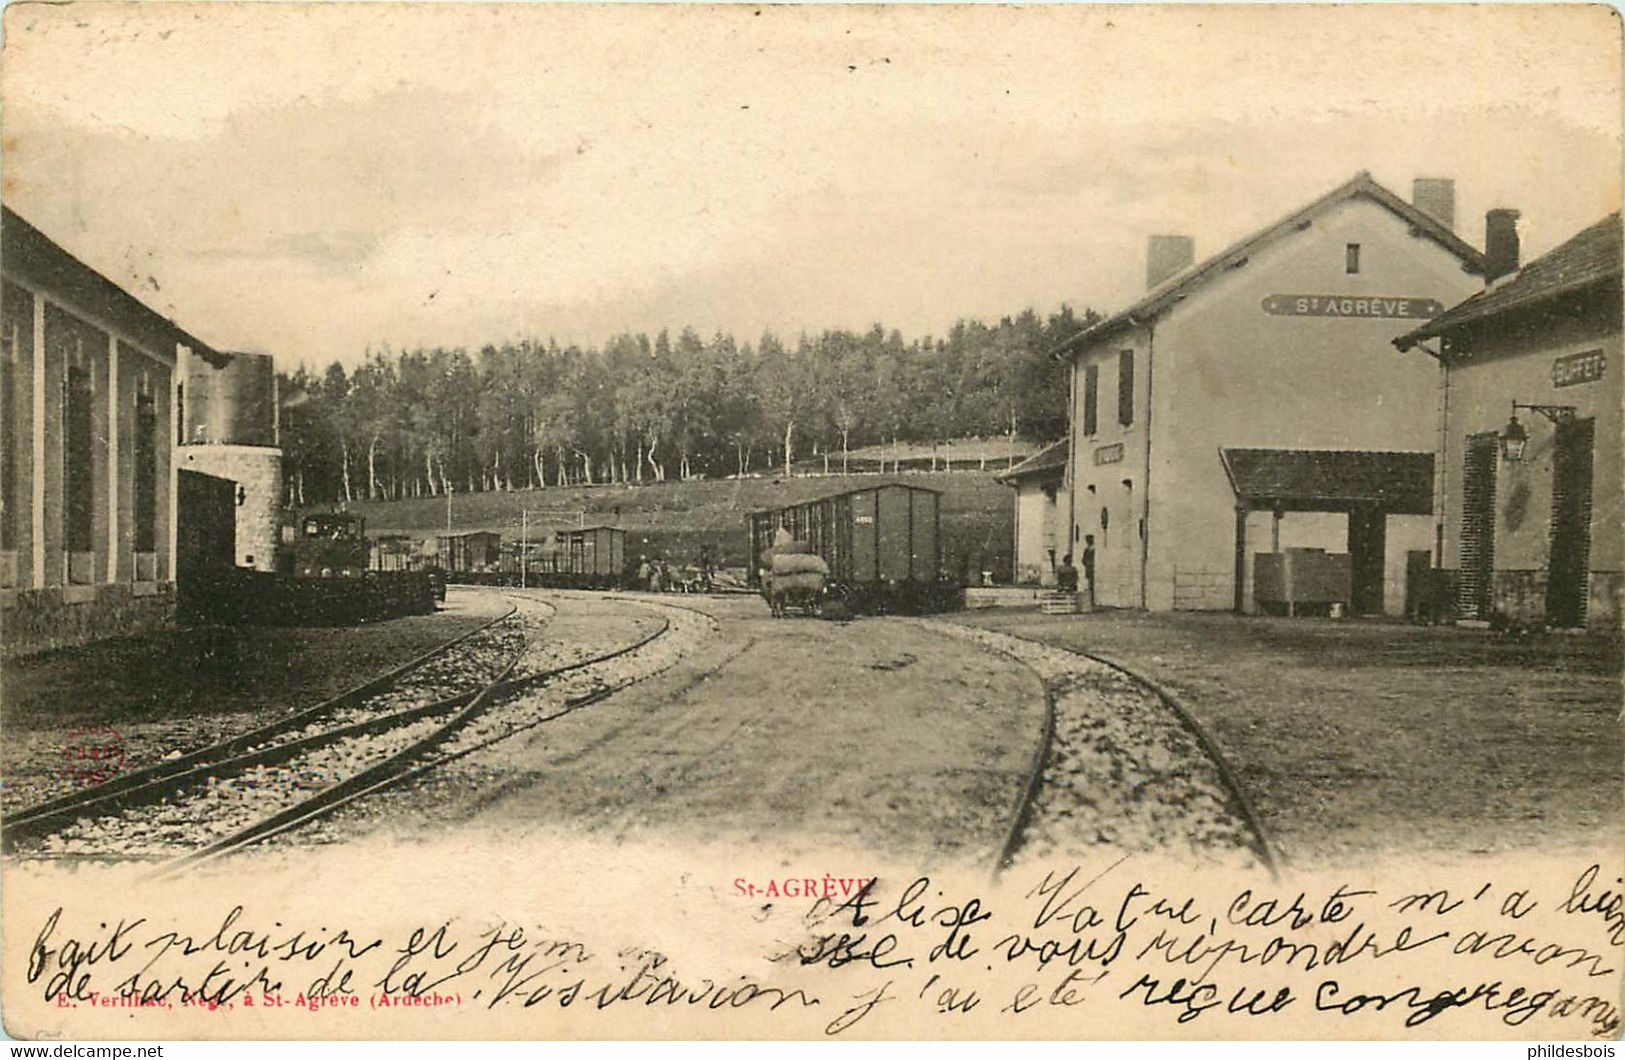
(1109, 454)
(1577, 368)
(1381, 307)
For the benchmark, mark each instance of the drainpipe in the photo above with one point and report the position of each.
(1145, 502)
(1441, 488)
(1071, 454)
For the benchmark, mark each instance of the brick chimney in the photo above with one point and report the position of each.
(1500, 244)
(1436, 197)
(1166, 255)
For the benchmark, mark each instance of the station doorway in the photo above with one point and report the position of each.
(1569, 574)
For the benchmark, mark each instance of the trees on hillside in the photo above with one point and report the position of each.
(531, 414)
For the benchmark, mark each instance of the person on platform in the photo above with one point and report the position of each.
(1089, 566)
(1066, 576)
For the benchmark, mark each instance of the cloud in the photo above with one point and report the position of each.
(310, 179)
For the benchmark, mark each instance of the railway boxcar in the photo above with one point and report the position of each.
(883, 546)
(597, 553)
(588, 558)
(478, 552)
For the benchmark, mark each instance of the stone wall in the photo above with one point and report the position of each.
(42, 619)
(1520, 598)
(1203, 589)
(1607, 598)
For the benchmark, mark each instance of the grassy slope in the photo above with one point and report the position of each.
(676, 518)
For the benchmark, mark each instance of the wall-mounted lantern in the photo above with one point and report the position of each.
(1515, 437)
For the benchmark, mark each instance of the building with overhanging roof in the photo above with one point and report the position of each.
(1253, 403)
(1039, 533)
(88, 496)
(1528, 485)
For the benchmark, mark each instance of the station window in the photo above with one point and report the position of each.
(1091, 398)
(1351, 258)
(78, 462)
(17, 333)
(1125, 387)
(10, 340)
(146, 471)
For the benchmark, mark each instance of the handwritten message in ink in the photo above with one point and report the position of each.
(1072, 950)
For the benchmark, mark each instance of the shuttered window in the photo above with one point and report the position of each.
(1125, 387)
(1091, 398)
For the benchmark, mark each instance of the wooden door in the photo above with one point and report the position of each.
(1568, 575)
(1473, 591)
(1368, 543)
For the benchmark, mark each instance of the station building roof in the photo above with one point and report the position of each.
(1174, 289)
(1592, 259)
(1331, 479)
(34, 257)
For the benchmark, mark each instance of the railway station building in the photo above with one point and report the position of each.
(1245, 436)
(87, 431)
(1528, 489)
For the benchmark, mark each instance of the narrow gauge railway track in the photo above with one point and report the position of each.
(474, 729)
(1050, 787)
(409, 743)
(134, 786)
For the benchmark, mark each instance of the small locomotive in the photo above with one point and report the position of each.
(329, 545)
(326, 575)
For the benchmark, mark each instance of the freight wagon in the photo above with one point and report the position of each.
(592, 550)
(883, 545)
(588, 558)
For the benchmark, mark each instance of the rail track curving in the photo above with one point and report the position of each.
(240, 792)
(1189, 770)
(138, 784)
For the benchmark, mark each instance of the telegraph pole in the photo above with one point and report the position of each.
(524, 545)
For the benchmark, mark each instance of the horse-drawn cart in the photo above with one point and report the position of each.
(795, 579)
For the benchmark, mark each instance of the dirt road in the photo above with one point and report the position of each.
(794, 734)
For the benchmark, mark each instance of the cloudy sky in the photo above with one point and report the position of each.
(309, 179)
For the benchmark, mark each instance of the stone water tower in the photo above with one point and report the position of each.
(229, 429)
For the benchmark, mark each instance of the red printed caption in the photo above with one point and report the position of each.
(802, 887)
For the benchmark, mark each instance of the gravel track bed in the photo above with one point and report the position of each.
(1123, 770)
(587, 629)
(687, 631)
(227, 804)
(39, 772)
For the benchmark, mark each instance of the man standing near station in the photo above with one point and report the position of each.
(1089, 566)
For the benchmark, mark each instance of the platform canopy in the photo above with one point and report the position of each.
(1331, 480)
